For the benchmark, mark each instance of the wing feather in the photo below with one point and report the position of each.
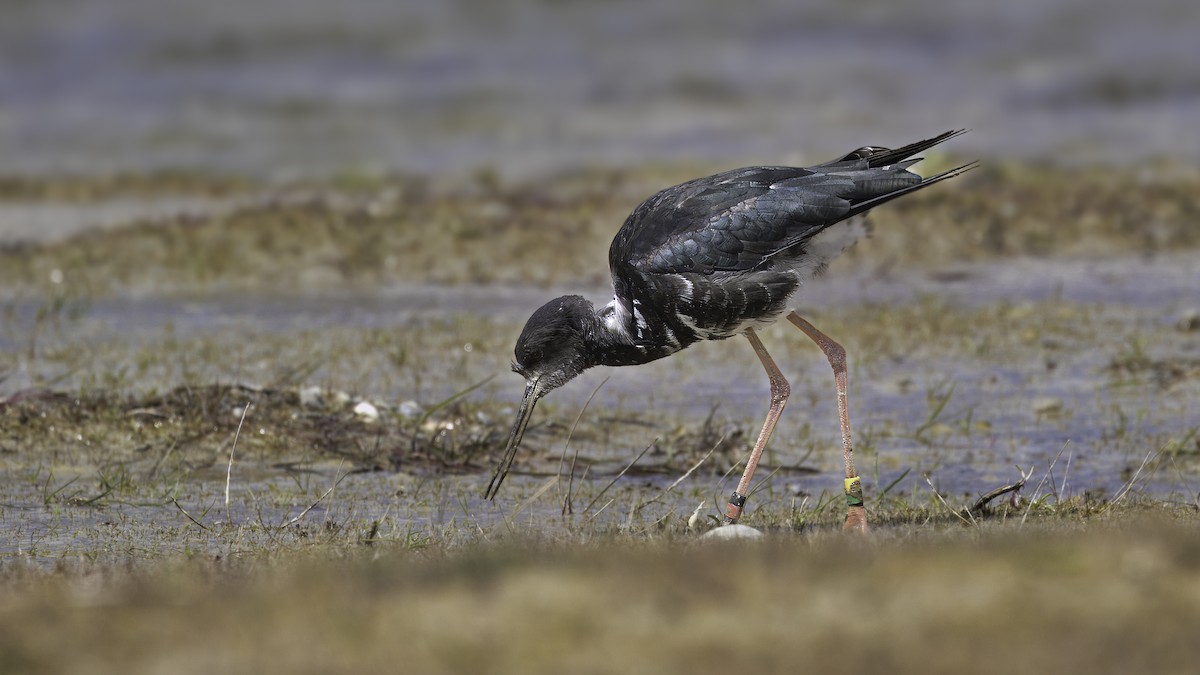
(740, 220)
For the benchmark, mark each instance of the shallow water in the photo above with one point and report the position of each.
(1166, 284)
(1053, 398)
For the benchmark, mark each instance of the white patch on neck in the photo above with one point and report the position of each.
(616, 317)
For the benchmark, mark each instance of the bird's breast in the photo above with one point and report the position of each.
(719, 306)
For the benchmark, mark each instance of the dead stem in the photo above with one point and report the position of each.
(229, 469)
(189, 516)
(1015, 487)
(946, 505)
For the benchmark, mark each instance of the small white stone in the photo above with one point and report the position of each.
(410, 409)
(312, 396)
(732, 532)
(367, 411)
(1047, 406)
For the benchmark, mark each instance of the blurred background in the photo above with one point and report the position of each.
(301, 87)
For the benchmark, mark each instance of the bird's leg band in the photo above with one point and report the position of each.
(736, 504)
(854, 494)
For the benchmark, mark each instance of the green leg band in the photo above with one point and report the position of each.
(854, 495)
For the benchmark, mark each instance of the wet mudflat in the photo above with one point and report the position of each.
(202, 420)
(963, 374)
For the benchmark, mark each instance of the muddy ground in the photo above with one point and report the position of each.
(284, 402)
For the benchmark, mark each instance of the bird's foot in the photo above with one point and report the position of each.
(856, 520)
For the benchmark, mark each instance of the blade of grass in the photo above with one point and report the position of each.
(894, 483)
(567, 506)
(618, 476)
(1043, 481)
(550, 482)
(313, 505)
(451, 399)
(685, 475)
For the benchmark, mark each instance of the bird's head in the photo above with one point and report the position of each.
(550, 352)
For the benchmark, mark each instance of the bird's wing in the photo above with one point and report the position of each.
(736, 221)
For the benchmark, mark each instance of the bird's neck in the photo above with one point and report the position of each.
(616, 337)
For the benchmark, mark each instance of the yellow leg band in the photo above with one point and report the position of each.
(854, 494)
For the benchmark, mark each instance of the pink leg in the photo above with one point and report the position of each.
(780, 390)
(856, 517)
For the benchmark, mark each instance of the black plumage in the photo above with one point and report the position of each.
(709, 259)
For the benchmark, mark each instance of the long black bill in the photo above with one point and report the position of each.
(514, 438)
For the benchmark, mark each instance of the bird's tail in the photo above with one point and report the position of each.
(863, 206)
(877, 156)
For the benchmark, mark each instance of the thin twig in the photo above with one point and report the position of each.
(1187, 485)
(229, 469)
(758, 486)
(762, 481)
(451, 399)
(189, 516)
(374, 533)
(601, 509)
(685, 475)
(618, 477)
(567, 506)
(1125, 490)
(551, 482)
(717, 495)
(313, 505)
(983, 501)
(1066, 472)
(943, 501)
(1043, 481)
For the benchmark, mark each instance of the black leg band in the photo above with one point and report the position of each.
(734, 512)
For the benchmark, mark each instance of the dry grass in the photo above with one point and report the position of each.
(351, 233)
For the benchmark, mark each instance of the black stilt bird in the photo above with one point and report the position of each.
(713, 258)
